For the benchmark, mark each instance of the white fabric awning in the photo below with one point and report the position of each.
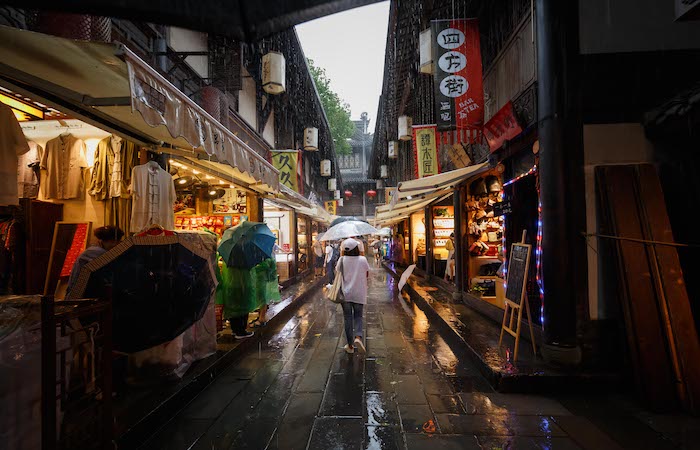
(407, 208)
(109, 86)
(290, 199)
(436, 183)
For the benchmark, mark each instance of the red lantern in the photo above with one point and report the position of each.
(348, 194)
(371, 193)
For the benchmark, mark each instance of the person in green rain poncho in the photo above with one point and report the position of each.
(242, 291)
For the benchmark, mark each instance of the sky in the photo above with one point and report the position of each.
(350, 47)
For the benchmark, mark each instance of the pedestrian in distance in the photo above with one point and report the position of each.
(332, 255)
(355, 270)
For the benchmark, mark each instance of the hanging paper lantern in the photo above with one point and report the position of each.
(332, 183)
(384, 171)
(393, 149)
(426, 51)
(326, 168)
(273, 73)
(371, 193)
(405, 124)
(336, 195)
(311, 139)
(348, 194)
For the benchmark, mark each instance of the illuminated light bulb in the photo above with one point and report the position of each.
(209, 177)
(196, 172)
(212, 192)
(221, 182)
(182, 181)
(172, 161)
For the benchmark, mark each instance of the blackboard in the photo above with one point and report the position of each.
(518, 264)
(502, 208)
(69, 241)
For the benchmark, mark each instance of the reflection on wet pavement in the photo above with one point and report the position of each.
(300, 390)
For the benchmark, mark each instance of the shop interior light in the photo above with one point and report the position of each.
(222, 182)
(22, 110)
(196, 172)
(208, 177)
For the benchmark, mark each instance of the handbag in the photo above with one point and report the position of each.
(335, 293)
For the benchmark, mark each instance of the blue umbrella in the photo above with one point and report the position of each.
(247, 245)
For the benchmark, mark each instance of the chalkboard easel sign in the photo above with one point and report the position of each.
(69, 241)
(516, 289)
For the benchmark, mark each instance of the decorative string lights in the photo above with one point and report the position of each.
(538, 241)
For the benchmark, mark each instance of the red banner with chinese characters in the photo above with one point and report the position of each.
(425, 147)
(457, 73)
(501, 127)
(77, 246)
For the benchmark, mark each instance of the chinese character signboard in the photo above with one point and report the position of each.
(459, 92)
(286, 162)
(426, 151)
(331, 206)
(501, 127)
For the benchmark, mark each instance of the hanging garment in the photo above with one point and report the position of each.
(111, 175)
(12, 144)
(153, 193)
(64, 160)
(28, 171)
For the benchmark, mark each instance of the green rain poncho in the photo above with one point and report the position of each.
(242, 291)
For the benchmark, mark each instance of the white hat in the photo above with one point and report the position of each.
(349, 244)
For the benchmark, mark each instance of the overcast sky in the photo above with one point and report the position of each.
(350, 46)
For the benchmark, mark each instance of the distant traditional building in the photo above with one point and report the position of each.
(353, 170)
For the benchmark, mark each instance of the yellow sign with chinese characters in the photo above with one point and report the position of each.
(426, 151)
(286, 161)
(331, 206)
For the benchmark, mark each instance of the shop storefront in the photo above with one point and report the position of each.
(418, 241)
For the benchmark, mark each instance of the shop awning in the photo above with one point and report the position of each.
(290, 199)
(109, 86)
(407, 208)
(436, 183)
(411, 202)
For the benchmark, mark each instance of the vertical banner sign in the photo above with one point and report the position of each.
(459, 91)
(426, 151)
(331, 206)
(501, 127)
(286, 162)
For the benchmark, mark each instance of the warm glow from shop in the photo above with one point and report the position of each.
(23, 108)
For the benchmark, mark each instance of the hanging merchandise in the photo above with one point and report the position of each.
(332, 184)
(326, 168)
(154, 195)
(405, 124)
(311, 139)
(12, 144)
(273, 73)
(477, 188)
(393, 149)
(492, 184)
(426, 51)
(64, 160)
(28, 171)
(383, 171)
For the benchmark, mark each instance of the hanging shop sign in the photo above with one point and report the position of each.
(379, 184)
(326, 168)
(425, 148)
(330, 206)
(232, 201)
(393, 149)
(340, 202)
(384, 171)
(287, 162)
(311, 139)
(332, 184)
(459, 92)
(501, 127)
(336, 194)
(405, 124)
(273, 73)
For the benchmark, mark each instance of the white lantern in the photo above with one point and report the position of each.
(325, 167)
(336, 195)
(405, 124)
(273, 72)
(426, 51)
(380, 184)
(332, 184)
(393, 149)
(340, 202)
(384, 171)
(311, 139)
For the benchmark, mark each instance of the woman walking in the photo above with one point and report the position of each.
(355, 270)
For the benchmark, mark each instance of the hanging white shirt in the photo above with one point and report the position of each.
(153, 197)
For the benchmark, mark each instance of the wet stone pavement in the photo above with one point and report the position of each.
(300, 390)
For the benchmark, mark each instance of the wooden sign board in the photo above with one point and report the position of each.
(69, 241)
(516, 293)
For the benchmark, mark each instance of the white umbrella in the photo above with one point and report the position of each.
(386, 232)
(404, 276)
(347, 229)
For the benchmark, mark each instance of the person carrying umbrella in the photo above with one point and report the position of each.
(355, 270)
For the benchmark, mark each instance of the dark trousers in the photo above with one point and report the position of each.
(238, 324)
